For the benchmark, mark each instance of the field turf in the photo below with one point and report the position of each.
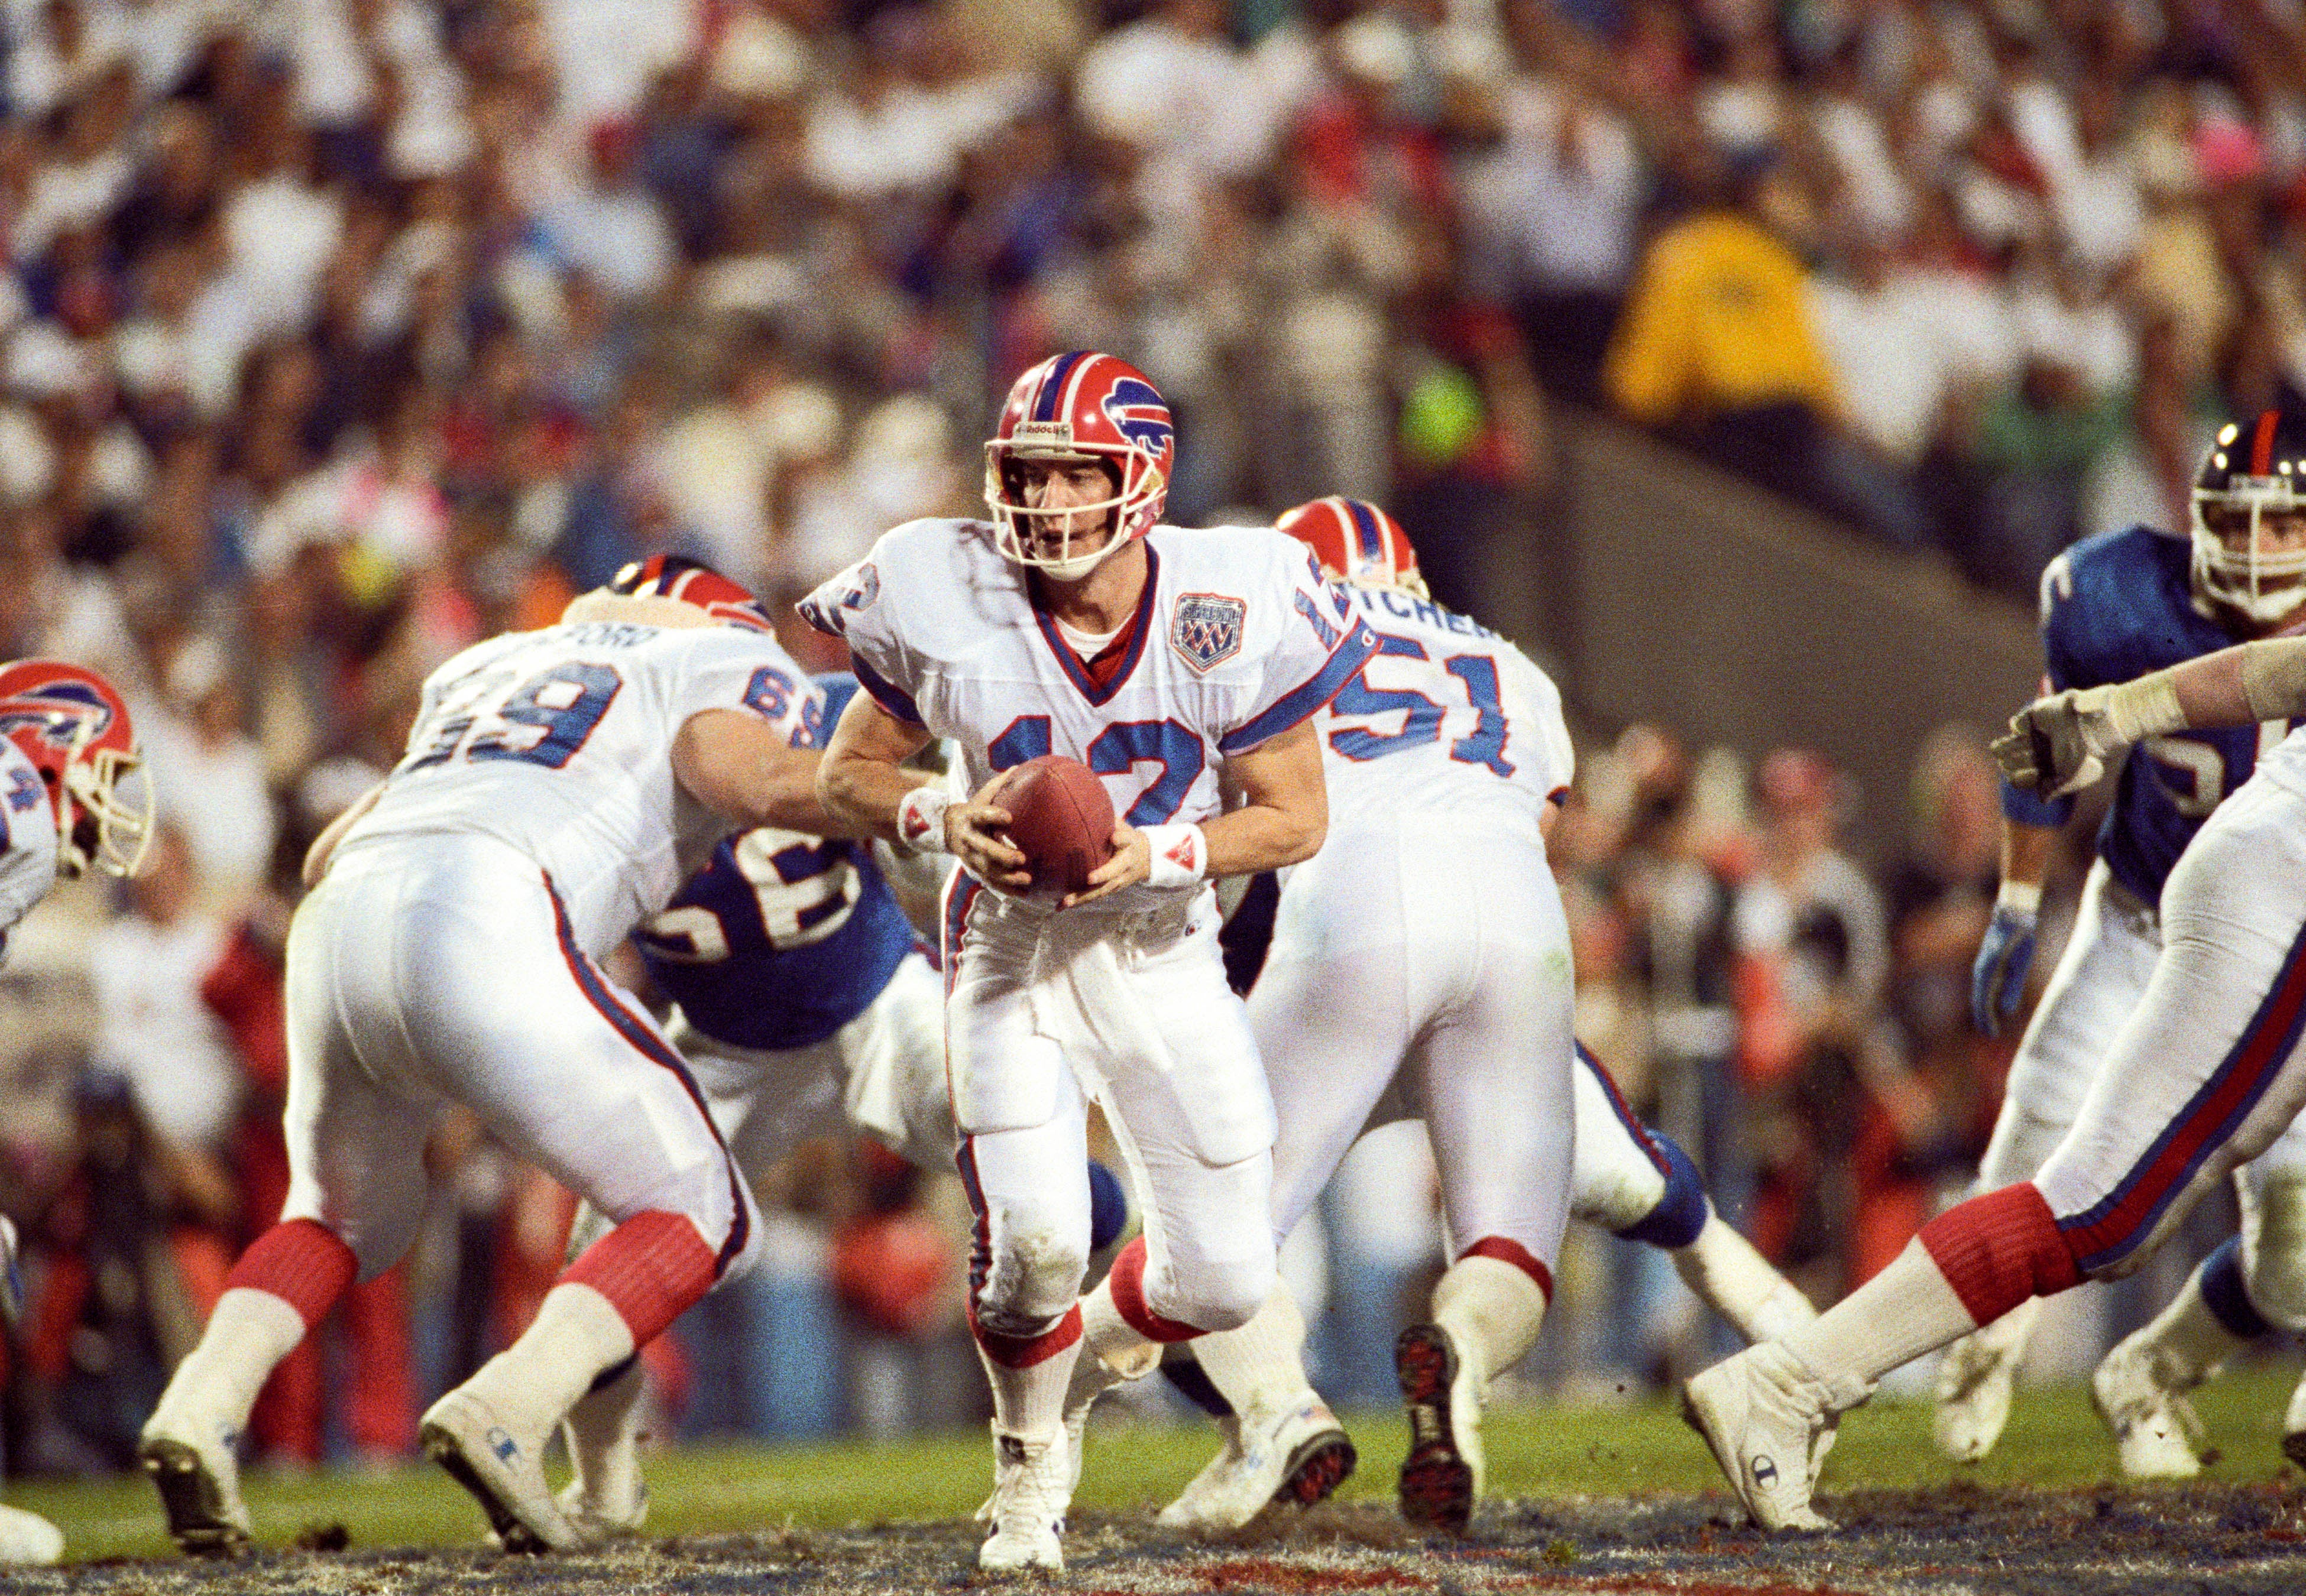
(1583, 1500)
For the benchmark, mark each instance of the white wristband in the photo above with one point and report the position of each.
(2024, 896)
(920, 818)
(1181, 856)
(2147, 707)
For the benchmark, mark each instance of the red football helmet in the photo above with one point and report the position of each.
(693, 582)
(74, 728)
(1355, 540)
(1082, 405)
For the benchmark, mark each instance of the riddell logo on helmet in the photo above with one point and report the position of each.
(1043, 434)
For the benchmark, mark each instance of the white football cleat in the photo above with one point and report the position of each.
(595, 1520)
(505, 1473)
(28, 1540)
(191, 1464)
(1441, 1476)
(1298, 1453)
(1975, 1379)
(1770, 1423)
(2142, 1399)
(1032, 1487)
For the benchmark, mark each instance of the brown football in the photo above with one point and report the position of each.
(1061, 819)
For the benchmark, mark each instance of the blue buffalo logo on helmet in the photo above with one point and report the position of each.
(1206, 629)
(1074, 408)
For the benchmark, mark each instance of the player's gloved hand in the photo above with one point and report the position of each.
(2060, 744)
(1998, 979)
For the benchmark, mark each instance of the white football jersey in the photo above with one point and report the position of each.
(559, 742)
(28, 839)
(1446, 715)
(1237, 639)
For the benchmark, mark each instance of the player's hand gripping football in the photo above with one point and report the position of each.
(977, 833)
(1131, 862)
(2060, 744)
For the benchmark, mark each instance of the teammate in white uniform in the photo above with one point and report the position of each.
(1182, 668)
(66, 743)
(2207, 1073)
(1420, 968)
(557, 786)
(2115, 607)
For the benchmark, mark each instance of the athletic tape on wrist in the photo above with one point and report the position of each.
(2025, 897)
(920, 818)
(2147, 707)
(1181, 856)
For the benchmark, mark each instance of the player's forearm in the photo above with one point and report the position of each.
(1265, 837)
(784, 792)
(863, 795)
(2026, 853)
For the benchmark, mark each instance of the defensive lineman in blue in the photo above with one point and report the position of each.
(2115, 607)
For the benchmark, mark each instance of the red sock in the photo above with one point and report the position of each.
(302, 1262)
(1022, 1351)
(1508, 1251)
(1128, 1282)
(1998, 1250)
(653, 1269)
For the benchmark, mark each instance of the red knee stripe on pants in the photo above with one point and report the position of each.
(1521, 1258)
(1022, 1351)
(1128, 1282)
(301, 1261)
(1998, 1250)
(653, 1269)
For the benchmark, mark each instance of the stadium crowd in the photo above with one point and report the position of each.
(341, 333)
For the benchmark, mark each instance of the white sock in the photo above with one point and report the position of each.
(1737, 1282)
(1260, 1365)
(1030, 1401)
(603, 1434)
(1492, 1310)
(2188, 1337)
(1908, 1310)
(535, 1381)
(246, 1337)
(1113, 1339)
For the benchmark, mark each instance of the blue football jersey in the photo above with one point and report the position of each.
(2115, 607)
(781, 939)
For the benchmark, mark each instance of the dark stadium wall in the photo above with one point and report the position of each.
(1669, 592)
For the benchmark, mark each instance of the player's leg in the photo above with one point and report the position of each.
(2252, 1286)
(1332, 1030)
(27, 1540)
(2097, 983)
(1493, 1076)
(1023, 1123)
(2206, 1073)
(1634, 1180)
(355, 1131)
(579, 1079)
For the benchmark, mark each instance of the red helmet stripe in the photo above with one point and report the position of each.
(2261, 443)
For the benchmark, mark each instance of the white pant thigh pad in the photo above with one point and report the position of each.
(2207, 1071)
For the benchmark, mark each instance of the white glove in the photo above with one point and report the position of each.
(2063, 743)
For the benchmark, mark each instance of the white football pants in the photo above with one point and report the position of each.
(1046, 1011)
(442, 967)
(1423, 971)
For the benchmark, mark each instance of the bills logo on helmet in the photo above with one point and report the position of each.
(1206, 627)
(1139, 413)
(55, 710)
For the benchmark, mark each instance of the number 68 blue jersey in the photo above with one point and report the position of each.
(2115, 607)
(781, 939)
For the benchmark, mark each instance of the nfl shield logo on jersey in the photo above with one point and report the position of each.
(1207, 630)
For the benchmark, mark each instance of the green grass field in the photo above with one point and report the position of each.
(2053, 1440)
